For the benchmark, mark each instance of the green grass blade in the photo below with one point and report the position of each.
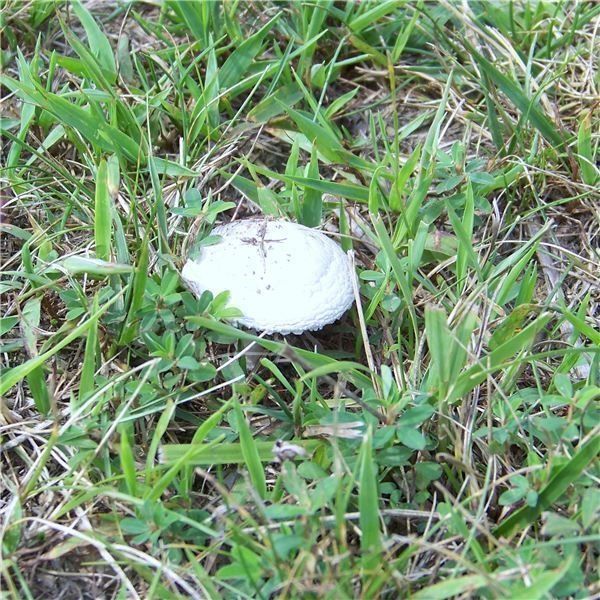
(209, 100)
(338, 366)
(371, 16)
(554, 489)
(408, 168)
(327, 363)
(461, 336)
(312, 204)
(323, 137)
(349, 191)
(88, 65)
(86, 381)
(346, 190)
(521, 260)
(97, 132)
(250, 453)
(26, 118)
(473, 376)
(155, 492)
(527, 106)
(439, 339)
(127, 461)
(36, 378)
(399, 272)
(318, 12)
(99, 44)
(200, 17)
(225, 453)
(137, 294)
(235, 67)
(102, 214)
(581, 326)
(11, 376)
(159, 212)
(492, 115)
(368, 505)
(93, 266)
(403, 38)
(585, 154)
(160, 429)
(542, 583)
(274, 104)
(7, 323)
(451, 588)
(466, 255)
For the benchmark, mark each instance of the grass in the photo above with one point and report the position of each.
(440, 442)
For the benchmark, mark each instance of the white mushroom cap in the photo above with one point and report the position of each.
(283, 277)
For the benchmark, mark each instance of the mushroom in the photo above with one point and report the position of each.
(283, 277)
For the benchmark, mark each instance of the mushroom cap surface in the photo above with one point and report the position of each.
(284, 277)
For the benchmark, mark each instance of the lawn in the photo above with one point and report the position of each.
(440, 440)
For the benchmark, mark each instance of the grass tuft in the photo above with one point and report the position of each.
(441, 440)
